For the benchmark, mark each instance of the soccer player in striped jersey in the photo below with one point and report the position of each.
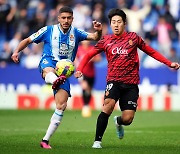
(123, 73)
(60, 42)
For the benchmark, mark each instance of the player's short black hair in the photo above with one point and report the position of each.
(118, 12)
(65, 9)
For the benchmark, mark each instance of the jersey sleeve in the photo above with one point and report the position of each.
(100, 45)
(82, 35)
(152, 52)
(39, 36)
(89, 55)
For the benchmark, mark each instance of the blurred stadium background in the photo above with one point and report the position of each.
(157, 21)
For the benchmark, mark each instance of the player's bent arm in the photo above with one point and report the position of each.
(98, 32)
(94, 36)
(22, 45)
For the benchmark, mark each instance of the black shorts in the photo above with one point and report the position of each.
(127, 94)
(90, 80)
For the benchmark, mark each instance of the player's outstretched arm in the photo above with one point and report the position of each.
(22, 45)
(88, 56)
(98, 32)
(175, 65)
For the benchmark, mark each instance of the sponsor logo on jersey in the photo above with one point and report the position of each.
(63, 49)
(120, 51)
(130, 42)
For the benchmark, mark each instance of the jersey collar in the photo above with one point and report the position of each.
(59, 27)
(120, 36)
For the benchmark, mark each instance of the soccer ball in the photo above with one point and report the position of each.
(64, 67)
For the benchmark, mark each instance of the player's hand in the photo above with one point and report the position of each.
(175, 65)
(97, 26)
(78, 74)
(15, 57)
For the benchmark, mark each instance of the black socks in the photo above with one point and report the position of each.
(119, 121)
(101, 125)
(86, 97)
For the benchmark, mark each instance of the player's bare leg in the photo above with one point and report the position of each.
(61, 98)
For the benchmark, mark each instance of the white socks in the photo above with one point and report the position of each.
(50, 77)
(54, 123)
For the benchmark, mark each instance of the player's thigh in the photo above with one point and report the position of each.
(111, 96)
(87, 83)
(89, 80)
(128, 100)
(61, 98)
(112, 91)
(108, 105)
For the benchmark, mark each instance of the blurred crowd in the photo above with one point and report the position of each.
(157, 21)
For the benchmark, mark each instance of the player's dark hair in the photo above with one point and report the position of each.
(65, 9)
(118, 12)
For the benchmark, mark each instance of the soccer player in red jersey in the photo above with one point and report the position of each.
(88, 79)
(123, 73)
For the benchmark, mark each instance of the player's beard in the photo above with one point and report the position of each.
(65, 27)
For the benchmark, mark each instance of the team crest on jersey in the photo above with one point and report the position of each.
(71, 37)
(130, 42)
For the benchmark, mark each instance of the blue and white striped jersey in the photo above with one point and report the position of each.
(57, 44)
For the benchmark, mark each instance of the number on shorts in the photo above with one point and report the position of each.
(109, 86)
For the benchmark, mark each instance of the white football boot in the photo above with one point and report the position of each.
(97, 145)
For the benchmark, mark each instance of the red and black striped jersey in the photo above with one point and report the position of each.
(122, 56)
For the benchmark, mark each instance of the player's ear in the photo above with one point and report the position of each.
(58, 17)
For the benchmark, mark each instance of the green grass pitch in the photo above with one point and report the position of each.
(151, 132)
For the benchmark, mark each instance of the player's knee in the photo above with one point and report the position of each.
(127, 120)
(61, 106)
(108, 107)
